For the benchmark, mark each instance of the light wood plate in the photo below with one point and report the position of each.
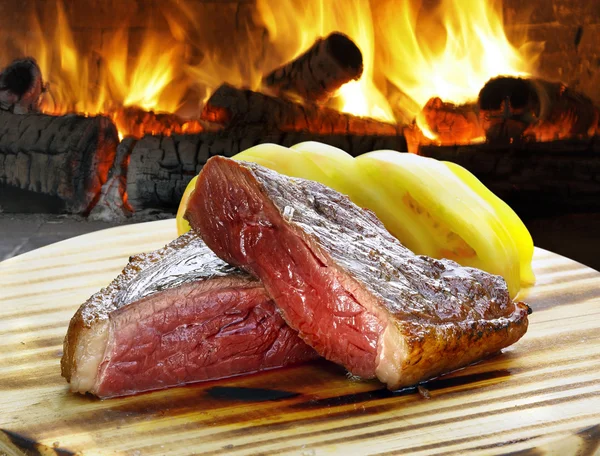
(542, 393)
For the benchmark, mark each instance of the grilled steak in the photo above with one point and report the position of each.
(351, 290)
(174, 316)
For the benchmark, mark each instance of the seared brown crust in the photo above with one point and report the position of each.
(67, 362)
(434, 350)
(184, 259)
(437, 315)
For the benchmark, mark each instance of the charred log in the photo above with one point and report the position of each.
(451, 123)
(233, 107)
(534, 178)
(21, 86)
(161, 166)
(514, 108)
(316, 75)
(63, 156)
(137, 122)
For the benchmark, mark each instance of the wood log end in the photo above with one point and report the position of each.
(317, 74)
(514, 108)
(346, 53)
(67, 157)
(21, 86)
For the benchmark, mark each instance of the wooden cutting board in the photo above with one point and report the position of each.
(542, 393)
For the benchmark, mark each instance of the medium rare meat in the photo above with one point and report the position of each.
(351, 290)
(175, 316)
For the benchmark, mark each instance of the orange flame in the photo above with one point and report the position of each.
(451, 53)
(144, 83)
(69, 74)
(106, 80)
(293, 26)
(410, 55)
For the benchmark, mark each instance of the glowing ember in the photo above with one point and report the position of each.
(138, 122)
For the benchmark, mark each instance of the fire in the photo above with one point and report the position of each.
(108, 81)
(67, 73)
(144, 83)
(411, 54)
(293, 26)
(448, 53)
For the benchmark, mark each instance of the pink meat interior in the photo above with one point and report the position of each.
(195, 333)
(243, 227)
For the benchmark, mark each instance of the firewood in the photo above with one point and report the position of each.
(67, 157)
(137, 122)
(316, 74)
(231, 107)
(451, 123)
(113, 202)
(21, 86)
(161, 166)
(517, 108)
(533, 177)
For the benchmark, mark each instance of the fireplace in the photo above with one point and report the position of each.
(125, 100)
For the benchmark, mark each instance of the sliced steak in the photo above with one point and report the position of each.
(353, 292)
(175, 316)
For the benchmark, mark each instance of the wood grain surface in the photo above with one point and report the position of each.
(540, 396)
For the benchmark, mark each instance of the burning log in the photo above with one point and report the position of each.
(161, 166)
(450, 123)
(113, 202)
(317, 74)
(233, 107)
(67, 157)
(137, 122)
(21, 86)
(534, 178)
(513, 108)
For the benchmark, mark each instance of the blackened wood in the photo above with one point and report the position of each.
(534, 178)
(21, 86)
(64, 156)
(161, 166)
(319, 72)
(231, 107)
(513, 108)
